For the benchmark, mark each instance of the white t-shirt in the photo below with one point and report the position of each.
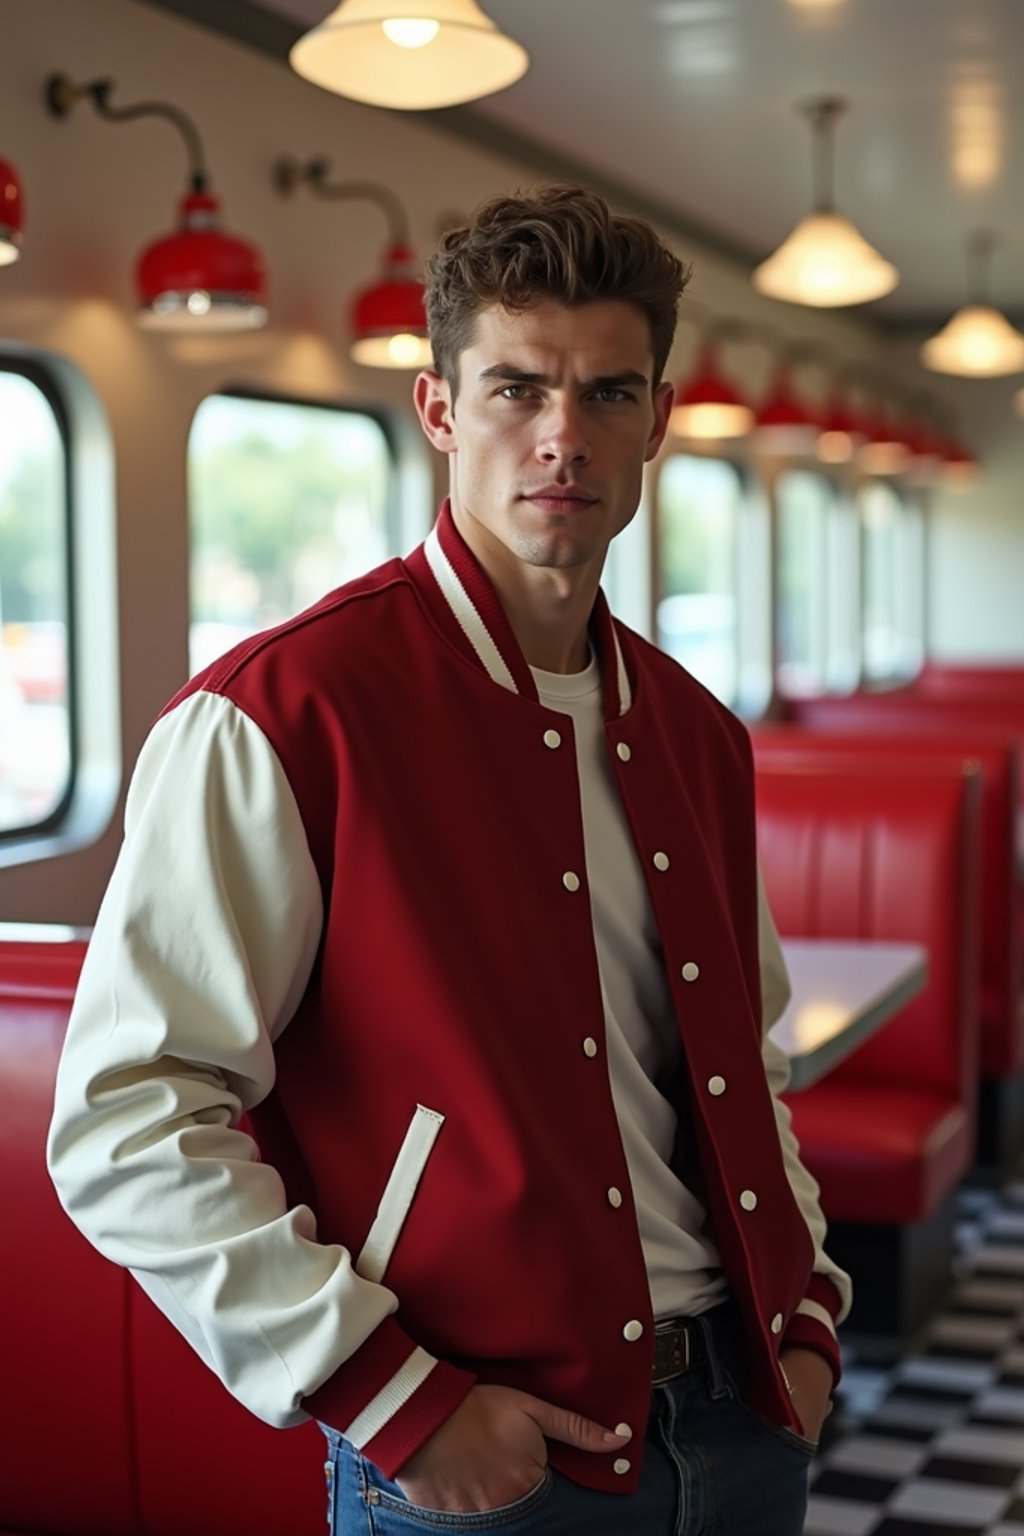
(684, 1269)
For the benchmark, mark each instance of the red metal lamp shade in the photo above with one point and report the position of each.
(959, 469)
(199, 278)
(783, 425)
(841, 434)
(884, 450)
(708, 407)
(389, 319)
(12, 214)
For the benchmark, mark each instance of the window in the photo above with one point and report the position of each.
(818, 617)
(36, 756)
(699, 504)
(287, 501)
(893, 564)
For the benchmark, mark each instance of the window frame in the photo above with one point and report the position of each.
(37, 374)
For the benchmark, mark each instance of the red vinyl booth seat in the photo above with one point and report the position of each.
(111, 1425)
(870, 852)
(1001, 951)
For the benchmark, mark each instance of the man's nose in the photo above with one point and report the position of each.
(563, 437)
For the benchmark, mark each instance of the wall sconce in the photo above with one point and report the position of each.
(783, 425)
(198, 279)
(825, 260)
(388, 319)
(707, 408)
(885, 450)
(409, 54)
(959, 469)
(12, 214)
(842, 432)
(979, 342)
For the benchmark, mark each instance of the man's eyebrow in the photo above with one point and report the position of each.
(509, 374)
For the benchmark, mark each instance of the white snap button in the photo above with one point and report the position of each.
(716, 1085)
(589, 1047)
(620, 1466)
(633, 1331)
(748, 1200)
(777, 1323)
(615, 1197)
(624, 752)
(552, 739)
(571, 881)
(690, 971)
(620, 1429)
(661, 861)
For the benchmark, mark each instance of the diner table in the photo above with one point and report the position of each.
(843, 991)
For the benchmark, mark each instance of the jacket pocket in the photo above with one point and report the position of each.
(399, 1192)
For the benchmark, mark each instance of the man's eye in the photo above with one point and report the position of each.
(513, 392)
(611, 394)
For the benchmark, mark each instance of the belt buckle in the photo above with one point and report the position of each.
(677, 1351)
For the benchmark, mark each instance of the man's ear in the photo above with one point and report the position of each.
(663, 398)
(432, 399)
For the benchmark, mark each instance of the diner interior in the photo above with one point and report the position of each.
(831, 540)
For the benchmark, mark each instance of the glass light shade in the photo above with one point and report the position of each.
(389, 319)
(977, 343)
(824, 262)
(199, 279)
(409, 54)
(709, 408)
(12, 214)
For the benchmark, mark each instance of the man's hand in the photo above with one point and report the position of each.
(810, 1377)
(491, 1450)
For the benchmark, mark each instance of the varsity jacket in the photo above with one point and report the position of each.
(369, 930)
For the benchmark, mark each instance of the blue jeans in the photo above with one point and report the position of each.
(711, 1467)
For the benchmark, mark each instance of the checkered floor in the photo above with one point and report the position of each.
(934, 1446)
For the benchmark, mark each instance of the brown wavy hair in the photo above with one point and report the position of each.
(562, 243)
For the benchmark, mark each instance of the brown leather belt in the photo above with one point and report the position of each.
(678, 1347)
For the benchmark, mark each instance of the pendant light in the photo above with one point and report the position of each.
(825, 261)
(12, 214)
(409, 54)
(783, 425)
(708, 408)
(884, 450)
(842, 433)
(388, 319)
(197, 279)
(979, 342)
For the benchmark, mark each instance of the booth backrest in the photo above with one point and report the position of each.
(1001, 964)
(875, 852)
(909, 711)
(111, 1425)
(986, 684)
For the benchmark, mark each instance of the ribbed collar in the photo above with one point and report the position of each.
(462, 598)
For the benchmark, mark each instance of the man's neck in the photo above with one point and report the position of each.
(548, 609)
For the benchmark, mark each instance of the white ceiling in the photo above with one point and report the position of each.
(692, 103)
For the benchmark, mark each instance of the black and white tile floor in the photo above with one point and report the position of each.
(934, 1446)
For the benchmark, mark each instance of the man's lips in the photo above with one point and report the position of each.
(560, 498)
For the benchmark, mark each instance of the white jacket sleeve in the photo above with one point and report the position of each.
(202, 949)
(775, 994)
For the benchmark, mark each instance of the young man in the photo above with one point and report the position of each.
(450, 882)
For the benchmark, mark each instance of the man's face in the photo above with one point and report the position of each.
(554, 421)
